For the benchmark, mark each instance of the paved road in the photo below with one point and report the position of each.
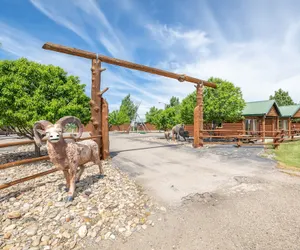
(240, 201)
(171, 172)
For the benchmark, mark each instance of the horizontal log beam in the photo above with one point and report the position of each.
(12, 183)
(20, 143)
(125, 64)
(26, 161)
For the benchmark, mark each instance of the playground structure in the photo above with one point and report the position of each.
(137, 120)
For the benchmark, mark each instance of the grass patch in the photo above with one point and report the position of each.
(288, 154)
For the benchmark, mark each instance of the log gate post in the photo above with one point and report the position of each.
(96, 104)
(198, 118)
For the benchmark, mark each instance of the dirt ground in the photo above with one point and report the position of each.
(216, 198)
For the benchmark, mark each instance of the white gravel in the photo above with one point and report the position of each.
(34, 215)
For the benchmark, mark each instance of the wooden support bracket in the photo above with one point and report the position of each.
(102, 92)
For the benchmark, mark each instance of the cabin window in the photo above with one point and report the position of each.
(283, 124)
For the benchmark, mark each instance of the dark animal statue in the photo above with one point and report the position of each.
(178, 130)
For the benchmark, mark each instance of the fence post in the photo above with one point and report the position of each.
(105, 130)
(264, 128)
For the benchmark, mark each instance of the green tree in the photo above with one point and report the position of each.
(174, 101)
(282, 98)
(222, 104)
(128, 107)
(187, 107)
(151, 115)
(31, 91)
(167, 118)
(118, 117)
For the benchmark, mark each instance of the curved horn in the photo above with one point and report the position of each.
(42, 126)
(71, 119)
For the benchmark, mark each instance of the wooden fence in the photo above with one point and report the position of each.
(31, 160)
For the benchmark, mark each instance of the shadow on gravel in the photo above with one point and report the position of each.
(81, 187)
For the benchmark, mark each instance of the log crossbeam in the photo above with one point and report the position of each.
(123, 63)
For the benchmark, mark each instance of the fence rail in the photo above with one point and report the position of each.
(31, 160)
(249, 138)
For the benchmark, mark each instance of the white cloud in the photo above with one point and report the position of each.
(86, 19)
(195, 41)
(259, 66)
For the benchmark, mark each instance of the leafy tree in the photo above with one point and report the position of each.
(118, 117)
(128, 107)
(174, 101)
(187, 107)
(151, 116)
(31, 91)
(282, 98)
(167, 118)
(223, 104)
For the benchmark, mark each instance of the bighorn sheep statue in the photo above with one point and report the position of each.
(67, 155)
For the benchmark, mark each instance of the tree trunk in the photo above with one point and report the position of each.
(37, 150)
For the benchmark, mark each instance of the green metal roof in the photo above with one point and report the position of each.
(289, 111)
(259, 108)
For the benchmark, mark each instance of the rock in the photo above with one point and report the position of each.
(163, 209)
(82, 231)
(26, 207)
(66, 235)
(127, 233)
(73, 244)
(122, 230)
(45, 238)
(107, 235)
(8, 247)
(7, 235)
(59, 204)
(36, 240)
(9, 228)
(112, 237)
(32, 230)
(144, 227)
(14, 215)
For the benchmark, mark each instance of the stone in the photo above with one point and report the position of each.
(107, 235)
(144, 227)
(82, 231)
(122, 230)
(7, 235)
(73, 244)
(8, 247)
(45, 238)
(163, 209)
(36, 240)
(32, 230)
(127, 233)
(9, 228)
(14, 215)
(66, 235)
(112, 237)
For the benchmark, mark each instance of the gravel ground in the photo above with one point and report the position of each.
(33, 215)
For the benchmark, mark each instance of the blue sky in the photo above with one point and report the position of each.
(254, 44)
